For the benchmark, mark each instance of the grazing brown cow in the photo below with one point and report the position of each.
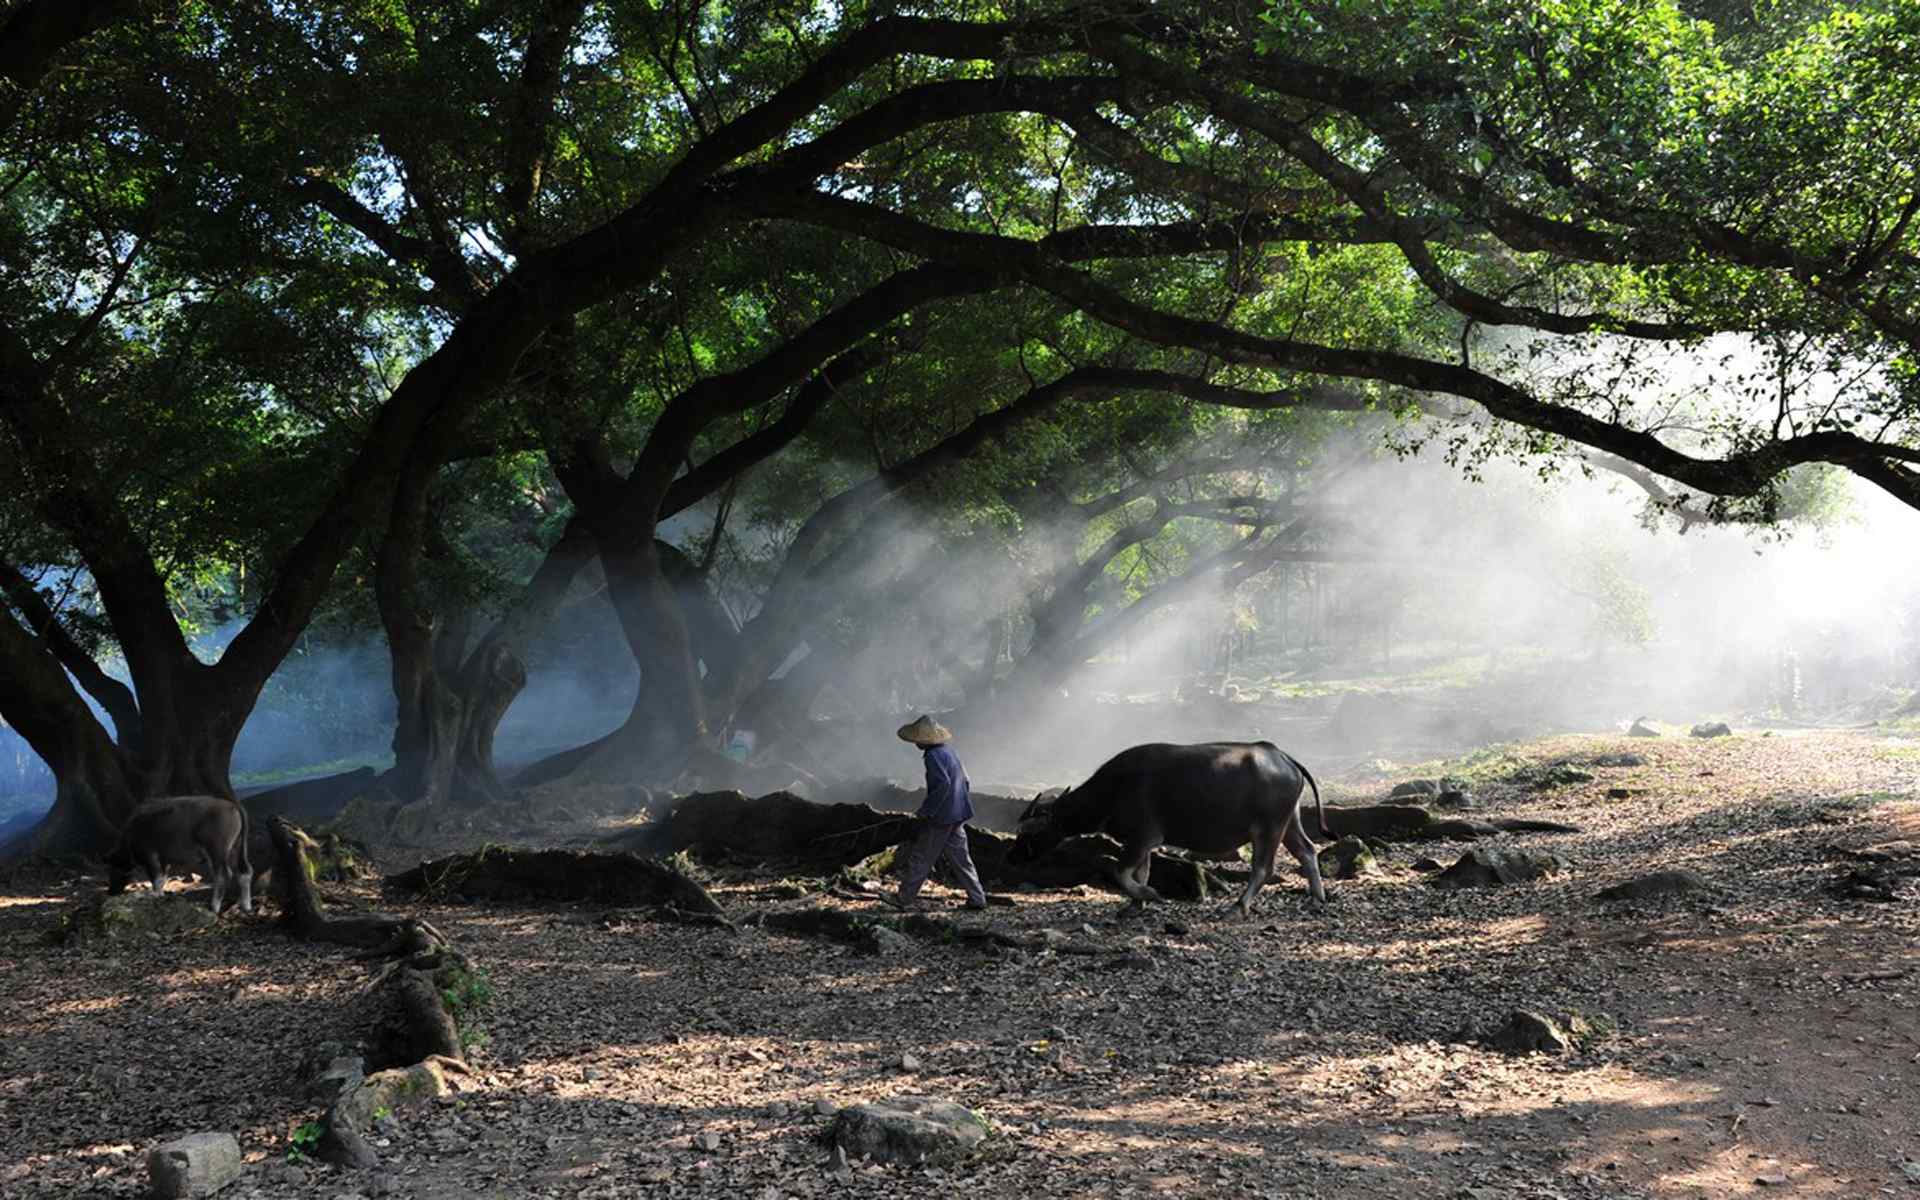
(189, 832)
(1211, 798)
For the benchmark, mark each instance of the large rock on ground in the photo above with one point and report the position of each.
(1660, 883)
(199, 1164)
(1348, 858)
(1530, 1033)
(908, 1129)
(1712, 729)
(135, 914)
(1488, 866)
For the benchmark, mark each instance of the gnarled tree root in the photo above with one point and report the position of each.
(425, 975)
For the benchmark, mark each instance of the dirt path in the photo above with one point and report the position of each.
(1763, 1040)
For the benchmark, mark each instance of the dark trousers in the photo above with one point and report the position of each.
(928, 845)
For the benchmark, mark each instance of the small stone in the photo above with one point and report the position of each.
(1770, 1180)
(199, 1164)
(1641, 729)
(1175, 928)
(886, 942)
(1711, 729)
(909, 1063)
(1619, 793)
(824, 1107)
(285, 1174)
(384, 1184)
(708, 1141)
(779, 1109)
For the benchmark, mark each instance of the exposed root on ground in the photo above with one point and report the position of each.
(427, 978)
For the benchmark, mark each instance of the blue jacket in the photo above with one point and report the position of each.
(949, 795)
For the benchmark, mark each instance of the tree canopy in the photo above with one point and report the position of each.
(441, 305)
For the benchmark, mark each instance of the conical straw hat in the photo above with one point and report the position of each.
(925, 732)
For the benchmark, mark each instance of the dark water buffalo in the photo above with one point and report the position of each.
(1211, 799)
(194, 832)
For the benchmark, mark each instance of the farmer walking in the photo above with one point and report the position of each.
(944, 817)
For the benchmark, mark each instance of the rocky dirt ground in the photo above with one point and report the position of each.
(1764, 1039)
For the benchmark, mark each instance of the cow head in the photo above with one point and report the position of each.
(1038, 832)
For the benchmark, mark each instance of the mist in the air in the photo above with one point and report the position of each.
(1435, 614)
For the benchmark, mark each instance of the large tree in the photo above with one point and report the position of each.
(661, 250)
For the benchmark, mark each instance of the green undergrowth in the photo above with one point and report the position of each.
(466, 991)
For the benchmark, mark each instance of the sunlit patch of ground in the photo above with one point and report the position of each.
(1766, 1030)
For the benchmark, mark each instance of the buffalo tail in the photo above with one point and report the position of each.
(1319, 805)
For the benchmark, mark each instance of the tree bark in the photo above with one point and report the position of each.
(669, 714)
(95, 786)
(116, 697)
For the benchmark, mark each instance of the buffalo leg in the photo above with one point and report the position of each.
(219, 880)
(157, 872)
(1133, 874)
(246, 891)
(1266, 847)
(1308, 854)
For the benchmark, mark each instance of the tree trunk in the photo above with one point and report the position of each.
(95, 786)
(430, 707)
(998, 637)
(669, 713)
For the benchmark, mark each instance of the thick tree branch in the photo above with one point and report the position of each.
(35, 36)
(447, 270)
(1739, 473)
(116, 697)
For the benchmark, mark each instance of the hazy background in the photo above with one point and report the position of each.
(1460, 613)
